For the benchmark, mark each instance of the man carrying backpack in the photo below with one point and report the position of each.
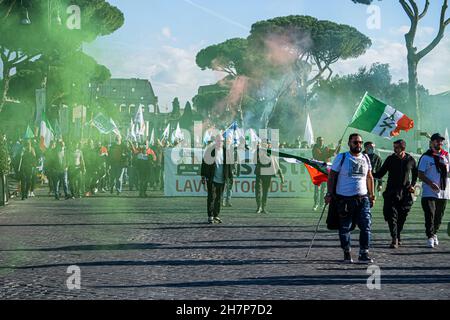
(351, 185)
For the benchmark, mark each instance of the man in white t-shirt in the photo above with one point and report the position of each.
(434, 173)
(354, 195)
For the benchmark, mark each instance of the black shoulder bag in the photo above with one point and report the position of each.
(333, 214)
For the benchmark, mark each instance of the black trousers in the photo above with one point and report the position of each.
(215, 191)
(395, 211)
(262, 189)
(26, 177)
(434, 211)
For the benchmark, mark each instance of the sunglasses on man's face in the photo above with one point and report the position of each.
(357, 142)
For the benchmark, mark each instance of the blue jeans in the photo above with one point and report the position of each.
(352, 212)
(58, 179)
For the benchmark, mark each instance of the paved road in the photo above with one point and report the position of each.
(162, 248)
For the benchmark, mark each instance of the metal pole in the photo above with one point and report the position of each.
(315, 232)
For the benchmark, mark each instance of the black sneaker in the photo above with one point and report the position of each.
(364, 258)
(348, 257)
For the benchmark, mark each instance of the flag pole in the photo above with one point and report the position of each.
(317, 229)
(348, 125)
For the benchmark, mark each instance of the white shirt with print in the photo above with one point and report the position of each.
(428, 167)
(352, 177)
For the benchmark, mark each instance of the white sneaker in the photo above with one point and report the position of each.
(436, 241)
(430, 243)
(32, 194)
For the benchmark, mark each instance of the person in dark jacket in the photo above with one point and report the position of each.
(57, 165)
(217, 167)
(27, 168)
(402, 178)
(375, 161)
(118, 160)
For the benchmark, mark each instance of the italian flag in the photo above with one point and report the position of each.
(380, 118)
(46, 135)
(318, 170)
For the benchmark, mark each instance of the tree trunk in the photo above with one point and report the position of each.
(413, 93)
(5, 87)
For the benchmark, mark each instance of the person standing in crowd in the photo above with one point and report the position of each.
(37, 150)
(133, 175)
(228, 192)
(351, 184)
(103, 170)
(152, 178)
(434, 174)
(118, 161)
(267, 166)
(143, 169)
(48, 169)
(158, 165)
(91, 162)
(76, 169)
(401, 182)
(320, 152)
(375, 161)
(57, 164)
(16, 152)
(27, 167)
(215, 170)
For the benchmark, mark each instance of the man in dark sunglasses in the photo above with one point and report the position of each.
(351, 185)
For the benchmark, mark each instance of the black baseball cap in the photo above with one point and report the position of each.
(437, 136)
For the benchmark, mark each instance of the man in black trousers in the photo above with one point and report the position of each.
(217, 168)
(402, 179)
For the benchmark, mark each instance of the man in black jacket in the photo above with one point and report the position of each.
(217, 168)
(375, 161)
(402, 179)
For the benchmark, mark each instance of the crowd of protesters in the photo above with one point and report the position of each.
(75, 170)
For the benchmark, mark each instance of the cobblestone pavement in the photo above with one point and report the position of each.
(162, 248)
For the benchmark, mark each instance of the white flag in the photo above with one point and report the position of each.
(177, 135)
(447, 143)
(165, 135)
(309, 135)
(152, 137)
(139, 122)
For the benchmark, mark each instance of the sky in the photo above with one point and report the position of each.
(160, 39)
